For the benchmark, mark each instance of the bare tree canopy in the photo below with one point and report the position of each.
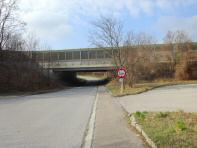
(108, 34)
(178, 36)
(9, 22)
(177, 40)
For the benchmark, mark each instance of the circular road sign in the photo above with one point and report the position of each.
(121, 72)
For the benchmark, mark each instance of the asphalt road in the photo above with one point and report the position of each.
(52, 120)
(169, 98)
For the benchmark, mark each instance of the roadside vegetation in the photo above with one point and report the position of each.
(19, 73)
(170, 129)
(19, 70)
(145, 60)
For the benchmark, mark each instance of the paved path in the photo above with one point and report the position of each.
(52, 120)
(111, 128)
(170, 98)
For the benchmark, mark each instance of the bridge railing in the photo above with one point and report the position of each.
(71, 55)
(78, 63)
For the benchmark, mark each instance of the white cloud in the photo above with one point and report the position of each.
(53, 20)
(46, 19)
(170, 4)
(48, 24)
(188, 24)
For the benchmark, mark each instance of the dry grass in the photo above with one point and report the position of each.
(170, 129)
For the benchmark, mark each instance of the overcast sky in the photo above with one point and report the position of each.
(66, 23)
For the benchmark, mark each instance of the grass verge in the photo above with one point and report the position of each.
(170, 129)
(114, 86)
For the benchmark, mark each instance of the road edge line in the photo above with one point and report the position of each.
(87, 143)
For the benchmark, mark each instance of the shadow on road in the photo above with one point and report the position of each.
(83, 82)
(95, 82)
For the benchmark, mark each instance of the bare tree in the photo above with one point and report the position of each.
(139, 56)
(32, 42)
(176, 42)
(15, 42)
(31, 45)
(108, 34)
(9, 23)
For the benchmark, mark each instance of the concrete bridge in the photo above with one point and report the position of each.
(76, 60)
(90, 59)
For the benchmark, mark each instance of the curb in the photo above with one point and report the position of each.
(88, 139)
(135, 124)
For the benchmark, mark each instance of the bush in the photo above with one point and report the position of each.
(19, 73)
(182, 68)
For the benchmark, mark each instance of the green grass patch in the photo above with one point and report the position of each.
(114, 86)
(170, 129)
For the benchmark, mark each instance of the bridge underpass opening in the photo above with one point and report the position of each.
(84, 78)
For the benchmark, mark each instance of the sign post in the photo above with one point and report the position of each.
(121, 76)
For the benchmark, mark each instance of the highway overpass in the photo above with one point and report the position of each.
(76, 60)
(90, 59)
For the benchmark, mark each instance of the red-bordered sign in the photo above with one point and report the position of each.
(122, 72)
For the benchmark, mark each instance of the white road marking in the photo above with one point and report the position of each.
(90, 131)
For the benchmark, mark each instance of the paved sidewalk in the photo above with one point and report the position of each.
(111, 127)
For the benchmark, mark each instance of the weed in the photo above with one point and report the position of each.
(170, 129)
(141, 115)
(181, 125)
(162, 114)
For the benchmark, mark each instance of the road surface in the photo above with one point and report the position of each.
(169, 98)
(51, 120)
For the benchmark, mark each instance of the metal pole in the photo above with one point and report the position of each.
(121, 85)
(80, 58)
(43, 66)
